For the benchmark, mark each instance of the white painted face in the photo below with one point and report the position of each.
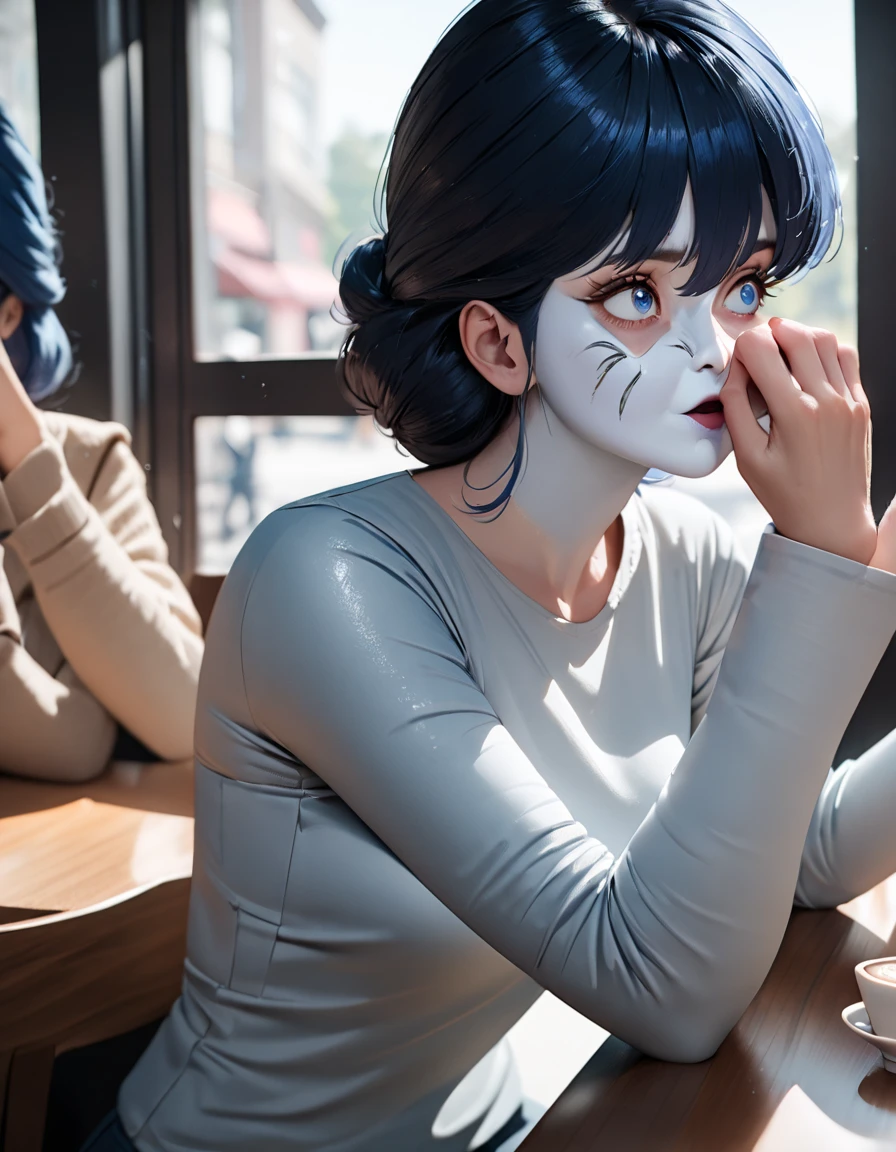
(623, 359)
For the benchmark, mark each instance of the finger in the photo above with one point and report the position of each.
(828, 348)
(758, 352)
(885, 554)
(798, 344)
(747, 436)
(849, 366)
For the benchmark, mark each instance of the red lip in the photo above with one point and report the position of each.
(708, 413)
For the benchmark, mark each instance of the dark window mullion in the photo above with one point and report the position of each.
(302, 387)
(68, 45)
(875, 30)
(169, 309)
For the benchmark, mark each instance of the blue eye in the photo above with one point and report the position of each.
(642, 300)
(744, 299)
(638, 303)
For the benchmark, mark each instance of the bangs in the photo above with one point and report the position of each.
(541, 131)
(715, 107)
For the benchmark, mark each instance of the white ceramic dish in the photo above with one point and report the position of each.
(855, 1017)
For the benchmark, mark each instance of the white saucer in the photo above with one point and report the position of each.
(856, 1018)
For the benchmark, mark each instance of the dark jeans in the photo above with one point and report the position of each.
(85, 1085)
(111, 1137)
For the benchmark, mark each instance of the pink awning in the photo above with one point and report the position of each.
(235, 220)
(310, 286)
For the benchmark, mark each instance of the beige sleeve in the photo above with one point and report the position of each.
(120, 615)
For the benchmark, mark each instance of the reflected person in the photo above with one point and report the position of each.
(98, 636)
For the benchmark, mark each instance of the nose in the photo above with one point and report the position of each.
(710, 343)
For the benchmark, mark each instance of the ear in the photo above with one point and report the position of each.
(11, 312)
(494, 346)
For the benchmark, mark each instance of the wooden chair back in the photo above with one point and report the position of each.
(204, 589)
(92, 940)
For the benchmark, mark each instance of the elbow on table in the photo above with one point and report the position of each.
(166, 728)
(172, 743)
(684, 1030)
(172, 740)
(72, 765)
(80, 770)
(692, 1043)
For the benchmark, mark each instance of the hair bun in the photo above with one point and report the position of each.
(362, 288)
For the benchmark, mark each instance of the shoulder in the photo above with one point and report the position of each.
(325, 544)
(89, 445)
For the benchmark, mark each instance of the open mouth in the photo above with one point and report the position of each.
(709, 414)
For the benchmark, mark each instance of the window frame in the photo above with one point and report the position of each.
(875, 35)
(70, 55)
(184, 388)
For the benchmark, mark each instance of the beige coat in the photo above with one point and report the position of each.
(96, 628)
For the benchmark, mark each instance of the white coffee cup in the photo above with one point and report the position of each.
(877, 984)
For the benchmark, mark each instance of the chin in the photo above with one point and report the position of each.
(697, 461)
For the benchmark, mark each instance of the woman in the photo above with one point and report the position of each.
(466, 734)
(97, 633)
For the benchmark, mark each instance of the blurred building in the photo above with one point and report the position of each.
(260, 203)
(18, 69)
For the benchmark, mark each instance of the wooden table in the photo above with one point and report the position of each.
(94, 888)
(790, 1078)
(162, 788)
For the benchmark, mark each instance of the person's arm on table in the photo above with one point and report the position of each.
(50, 728)
(99, 570)
(851, 844)
(348, 663)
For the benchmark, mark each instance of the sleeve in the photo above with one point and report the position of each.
(120, 615)
(350, 662)
(723, 573)
(851, 846)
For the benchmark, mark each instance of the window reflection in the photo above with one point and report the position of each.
(263, 285)
(18, 70)
(248, 466)
(298, 98)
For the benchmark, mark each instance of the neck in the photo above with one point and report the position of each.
(569, 496)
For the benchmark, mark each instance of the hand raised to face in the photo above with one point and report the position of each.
(21, 429)
(812, 469)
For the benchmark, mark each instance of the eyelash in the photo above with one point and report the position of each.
(761, 279)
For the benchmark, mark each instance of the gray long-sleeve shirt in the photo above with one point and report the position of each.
(421, 799)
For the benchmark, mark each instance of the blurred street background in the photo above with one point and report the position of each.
(298, 102)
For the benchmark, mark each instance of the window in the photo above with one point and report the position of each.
(295, 118)
(291, 116)
(18, 69)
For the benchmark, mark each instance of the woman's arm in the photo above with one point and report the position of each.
(49, 728)
(99, 569)
(348, 662)
(851, 844)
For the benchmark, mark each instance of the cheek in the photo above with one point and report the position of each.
(639, 341)
(735, 326)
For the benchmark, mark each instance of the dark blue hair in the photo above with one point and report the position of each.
(29, 267)
(536, 133)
